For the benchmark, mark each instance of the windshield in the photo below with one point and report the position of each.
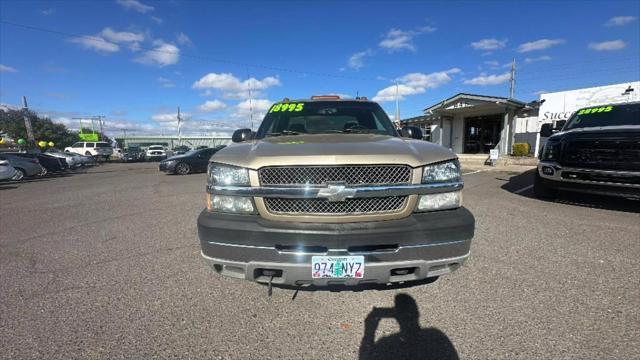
(102, 145)
(610, 115)
(323, 117)
(155, 147)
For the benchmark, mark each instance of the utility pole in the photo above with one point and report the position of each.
(397, 106)
(250, 101)
(512, 88)
(179, 123)
(31, 140)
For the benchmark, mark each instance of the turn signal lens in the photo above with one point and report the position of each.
(230, 204)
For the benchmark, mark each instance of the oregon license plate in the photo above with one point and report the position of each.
(337, 267)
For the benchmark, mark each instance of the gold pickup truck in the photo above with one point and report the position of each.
(328, 192)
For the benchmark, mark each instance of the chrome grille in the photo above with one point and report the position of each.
(354, 206)
(356, 175)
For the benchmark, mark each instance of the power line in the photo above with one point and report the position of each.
(198, 57)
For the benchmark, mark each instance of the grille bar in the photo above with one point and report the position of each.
(355, 175)
(354, 206)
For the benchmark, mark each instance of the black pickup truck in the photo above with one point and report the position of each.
(597, 151)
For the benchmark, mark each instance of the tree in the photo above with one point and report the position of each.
(12, 123)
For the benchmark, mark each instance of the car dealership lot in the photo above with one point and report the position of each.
(107, 264)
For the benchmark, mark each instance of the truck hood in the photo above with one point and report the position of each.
(332, 149)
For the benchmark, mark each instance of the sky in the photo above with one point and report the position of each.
(225, 63)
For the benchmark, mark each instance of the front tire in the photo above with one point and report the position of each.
(20, 174)
(541, 190)
(182, 168)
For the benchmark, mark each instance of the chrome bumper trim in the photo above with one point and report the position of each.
(321, 192)
(559, 169)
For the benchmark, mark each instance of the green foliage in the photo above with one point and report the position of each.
(521, 149)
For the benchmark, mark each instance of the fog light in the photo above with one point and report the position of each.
(548, 170)
(230, 204)
(443, 201)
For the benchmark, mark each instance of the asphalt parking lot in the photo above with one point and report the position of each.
(106, 264)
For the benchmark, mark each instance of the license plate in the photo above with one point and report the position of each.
(337, 267)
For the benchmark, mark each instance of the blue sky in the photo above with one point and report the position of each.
(135, 61)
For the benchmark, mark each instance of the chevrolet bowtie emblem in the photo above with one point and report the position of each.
(336, 192)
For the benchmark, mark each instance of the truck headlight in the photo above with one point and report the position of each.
(444, 172)
(230, 204)
(551, 151)
(442, 201)
(227, 175)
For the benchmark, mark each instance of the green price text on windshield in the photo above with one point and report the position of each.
(287, 107)
(595, 110)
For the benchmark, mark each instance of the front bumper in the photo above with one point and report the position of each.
(591, 181)
(155, 157)
(420, 246)
(167, 167)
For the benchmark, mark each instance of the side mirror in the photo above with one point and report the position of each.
(241, 135)
(546, 130)
(560, 124)
(412, 132)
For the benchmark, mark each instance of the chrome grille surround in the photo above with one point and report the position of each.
(350, 175)
(352, 206)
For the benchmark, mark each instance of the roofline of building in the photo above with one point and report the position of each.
(477, 97)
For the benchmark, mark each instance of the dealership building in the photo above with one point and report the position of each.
(475, 124)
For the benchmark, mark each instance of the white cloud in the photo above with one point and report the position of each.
(156, 19)
(620, 20)
(608, 45)
(96, 43)
(536, 59)
(166, 83)
(232, 87)
(398, 40)
(540, 92)
(415, 83)
(484, 80)
(356, 61)
(7, 69)
(170, 117)
(183, 39)
(258, 107)
(120, 37)
(47, 12)
(539, 45)
(135, 5)
(162, 54)
(492, 63)
(211, 106)
(489, 44)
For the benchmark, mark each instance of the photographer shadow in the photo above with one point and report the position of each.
(412, 342)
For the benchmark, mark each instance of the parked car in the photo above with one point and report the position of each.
(25, 167)
(73, 161)
(156, 153)
(50, 163)
(96, 149)
(596, 151)
(6, 170)
(85, 160)
(132, 154)
(190, 162)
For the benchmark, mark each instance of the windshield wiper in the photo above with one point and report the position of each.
(358, 130)
(283, 132)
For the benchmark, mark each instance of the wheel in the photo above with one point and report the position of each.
(87, 153)
(541, 190)
(20, 174)
(182, 168)
(43, 172)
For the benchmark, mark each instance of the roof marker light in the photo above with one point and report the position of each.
(325, 97)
